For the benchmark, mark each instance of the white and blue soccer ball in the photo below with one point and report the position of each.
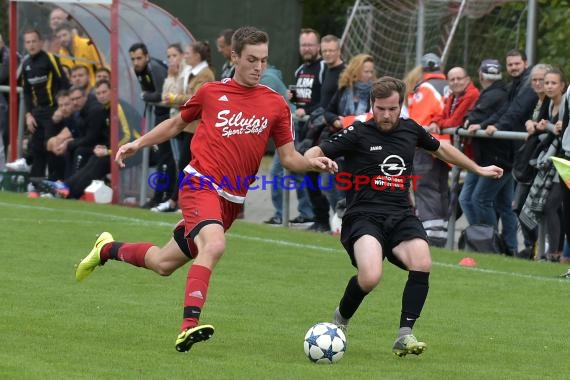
(325, 343)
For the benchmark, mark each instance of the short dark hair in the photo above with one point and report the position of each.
(385, 86)
(33, 30)
(227, 34)
(77, 88)
(62, 94)
(138, 45)
(517, 53)
(311, 31)
(78, 67)
(103, 68)
(102, 82)
(248, 35)
(64, 26)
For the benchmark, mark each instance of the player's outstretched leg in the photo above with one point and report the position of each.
(93, 259)
(408, 344)
(193, 335)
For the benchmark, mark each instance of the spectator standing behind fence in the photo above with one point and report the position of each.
(523, 171)
(457, 104)
(224, 45)
(308, 84)
(42, 78)
(543, 203)
(151, 74)
(483, 198)
(432, 191)
(273, 79)
(198, 58)
(173, 95)
(173, 87)
(512, 117)
(521, 99)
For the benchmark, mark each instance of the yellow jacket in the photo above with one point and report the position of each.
(84, 53)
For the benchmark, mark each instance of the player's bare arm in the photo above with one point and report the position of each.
(161, 133)
(295, 162)
(452, 155)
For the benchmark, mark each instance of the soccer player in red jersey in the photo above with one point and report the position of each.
(238, 116)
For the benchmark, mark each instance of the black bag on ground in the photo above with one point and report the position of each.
(481, 238)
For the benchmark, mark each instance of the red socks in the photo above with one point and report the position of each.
(132, 253)
(197, 284)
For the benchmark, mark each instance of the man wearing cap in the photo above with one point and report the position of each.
(480, 199)
(432, 191)
(520, 101)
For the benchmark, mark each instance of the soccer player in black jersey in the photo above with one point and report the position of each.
(379, 221)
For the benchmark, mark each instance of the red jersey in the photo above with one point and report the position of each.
(236, 123)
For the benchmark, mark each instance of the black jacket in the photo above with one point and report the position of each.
(42, 78)
(151, 80)
(521, 101)
(491, 151)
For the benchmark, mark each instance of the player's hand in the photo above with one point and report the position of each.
(126, 151)
(323, 164)
(490, 171)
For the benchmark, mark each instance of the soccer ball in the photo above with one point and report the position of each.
(324, 343)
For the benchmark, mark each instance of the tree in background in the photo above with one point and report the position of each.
(326, 16)
(4, 19)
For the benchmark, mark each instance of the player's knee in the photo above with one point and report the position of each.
(213, 249)
(368, 280)
(164, 269)
(420, 263)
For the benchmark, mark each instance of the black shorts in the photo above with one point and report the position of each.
(389, 230)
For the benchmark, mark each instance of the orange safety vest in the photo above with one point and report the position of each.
(425, 103)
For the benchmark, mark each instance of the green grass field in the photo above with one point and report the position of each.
(504, 319)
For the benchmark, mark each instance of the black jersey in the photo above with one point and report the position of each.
(42, 78)
(378, 166)
(151, 80)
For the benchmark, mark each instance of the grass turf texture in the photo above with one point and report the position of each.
(504, 319)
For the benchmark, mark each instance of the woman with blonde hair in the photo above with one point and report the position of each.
(353, 94)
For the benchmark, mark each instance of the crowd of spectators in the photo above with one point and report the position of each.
(67, 85)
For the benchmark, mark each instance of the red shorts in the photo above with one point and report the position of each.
(201, 206)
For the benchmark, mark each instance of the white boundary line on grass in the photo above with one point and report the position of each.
(139, 221)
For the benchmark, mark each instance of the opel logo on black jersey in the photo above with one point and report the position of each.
(393, 165)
